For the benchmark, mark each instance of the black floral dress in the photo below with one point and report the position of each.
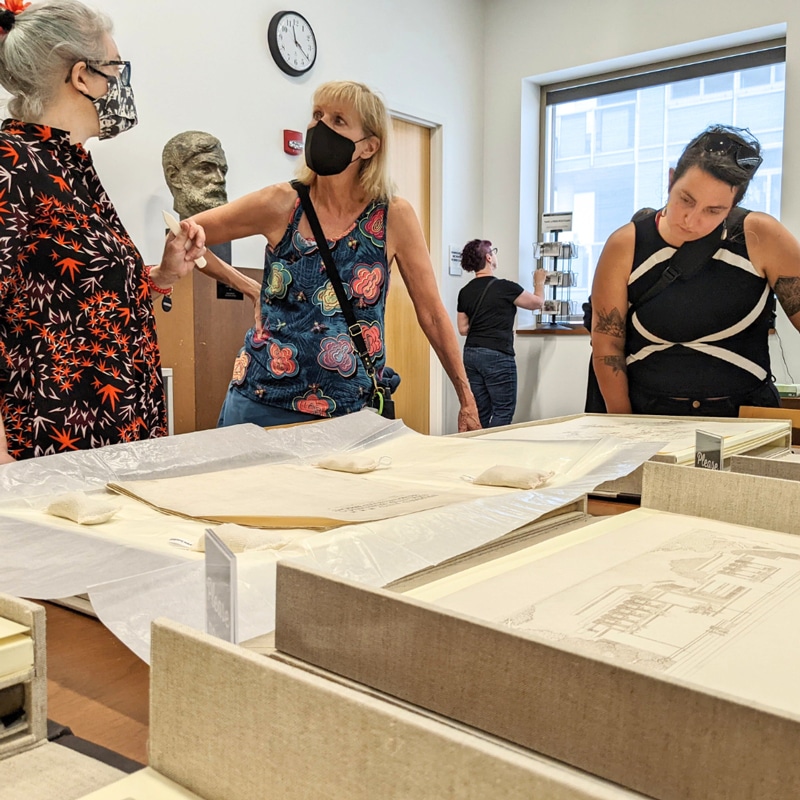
(79, 360)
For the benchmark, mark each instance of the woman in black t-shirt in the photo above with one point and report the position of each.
(487, 307)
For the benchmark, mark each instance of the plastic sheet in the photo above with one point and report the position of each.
(130, 586)
(45, 563)
(375, 553)
(187, 454)
(41, 559)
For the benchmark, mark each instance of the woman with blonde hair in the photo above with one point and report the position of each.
(300, 362)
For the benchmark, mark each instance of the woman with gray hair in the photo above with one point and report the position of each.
(79, 361)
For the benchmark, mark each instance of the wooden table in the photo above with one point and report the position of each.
(95, 685)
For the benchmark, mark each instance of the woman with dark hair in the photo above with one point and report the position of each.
(487, 307)
(683, 299)
(79, 360)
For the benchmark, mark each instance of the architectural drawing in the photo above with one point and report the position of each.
(709, 602)
(678, 434)
(694, 593)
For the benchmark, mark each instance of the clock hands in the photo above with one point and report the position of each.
(294, 33)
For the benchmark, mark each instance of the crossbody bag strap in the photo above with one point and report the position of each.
(686, 261)
(483, 294)
(353, 325)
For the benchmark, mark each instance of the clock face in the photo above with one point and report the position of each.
(292, 43)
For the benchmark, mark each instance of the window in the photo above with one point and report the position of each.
(609, 142)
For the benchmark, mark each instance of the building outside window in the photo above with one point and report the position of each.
(609, 144)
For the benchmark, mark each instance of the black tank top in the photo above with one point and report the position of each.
(702, 337)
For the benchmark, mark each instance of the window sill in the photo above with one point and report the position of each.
(566, 329)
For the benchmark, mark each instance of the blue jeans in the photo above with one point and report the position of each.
(493, 379)
(237, 409)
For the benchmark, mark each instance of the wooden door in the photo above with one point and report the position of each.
(407, 349)
(199, 339)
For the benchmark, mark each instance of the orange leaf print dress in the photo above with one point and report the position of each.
(79, 360)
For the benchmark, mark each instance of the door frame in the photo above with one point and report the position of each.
(438, 259)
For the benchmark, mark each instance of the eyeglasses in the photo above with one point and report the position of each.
(745, 155)
(123, 72)
(492, 251)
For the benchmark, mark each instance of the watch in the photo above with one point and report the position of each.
(292, 42)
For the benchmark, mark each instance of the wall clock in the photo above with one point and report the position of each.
(292, 42)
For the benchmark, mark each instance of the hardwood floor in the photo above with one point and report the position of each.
(95, 685)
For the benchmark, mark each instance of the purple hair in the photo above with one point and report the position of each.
(473, 256)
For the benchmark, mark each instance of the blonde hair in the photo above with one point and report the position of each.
(46, 40)
(374, 118)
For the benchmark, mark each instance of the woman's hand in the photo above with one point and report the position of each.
(6, 457)
(179, 254)
(468, 419)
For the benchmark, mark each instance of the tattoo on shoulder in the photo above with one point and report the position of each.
(611, 323)
(788, 292)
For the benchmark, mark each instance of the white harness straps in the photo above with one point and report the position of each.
(704, 343)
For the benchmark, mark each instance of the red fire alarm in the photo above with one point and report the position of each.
(292, 142)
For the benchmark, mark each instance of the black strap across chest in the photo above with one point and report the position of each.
(690, 258)
(491, 280)
(353, 325)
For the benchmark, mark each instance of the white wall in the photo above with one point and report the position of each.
(537, 42)
(205, 65)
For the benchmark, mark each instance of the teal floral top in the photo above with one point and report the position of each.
(305, 360)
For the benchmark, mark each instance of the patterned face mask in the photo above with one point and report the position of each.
(116, 109)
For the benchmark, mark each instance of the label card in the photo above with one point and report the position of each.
(455, 261)
(708, 450)
(557, 222)
(221, 589)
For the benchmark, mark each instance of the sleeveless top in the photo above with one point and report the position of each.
(701, 337)
(305, 360)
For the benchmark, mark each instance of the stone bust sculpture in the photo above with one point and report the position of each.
(194, 168)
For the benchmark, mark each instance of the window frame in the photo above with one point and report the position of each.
(702, 65)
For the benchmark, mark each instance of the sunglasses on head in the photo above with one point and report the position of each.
(745, 155)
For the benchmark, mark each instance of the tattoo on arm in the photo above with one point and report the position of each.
(788, 292)
(611, 323)
(617, 363)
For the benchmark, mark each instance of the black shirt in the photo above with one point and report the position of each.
(493, 324)
(702, 337)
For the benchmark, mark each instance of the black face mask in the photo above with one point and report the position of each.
(328, 152)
